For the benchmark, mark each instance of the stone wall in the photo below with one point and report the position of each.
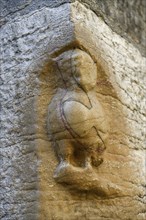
(33, 33)
(127, 18)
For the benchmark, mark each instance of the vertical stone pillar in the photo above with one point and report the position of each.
(31, 44)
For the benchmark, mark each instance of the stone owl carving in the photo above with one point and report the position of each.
(76, 120)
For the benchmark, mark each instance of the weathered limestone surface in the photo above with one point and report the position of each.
(125, 17)
(29, 42)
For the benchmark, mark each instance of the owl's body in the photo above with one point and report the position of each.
(76, 119)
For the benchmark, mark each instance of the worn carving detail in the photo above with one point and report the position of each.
(76, 120)
(33, 41)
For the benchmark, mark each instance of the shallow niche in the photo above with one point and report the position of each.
(77, 123)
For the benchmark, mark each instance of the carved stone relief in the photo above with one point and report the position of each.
(82, 109)
(46, 54)
(77, 123)
(77, 120)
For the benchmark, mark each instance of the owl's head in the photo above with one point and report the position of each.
(77, 67)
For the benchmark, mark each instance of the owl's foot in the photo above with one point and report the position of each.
(97, 161)
(61, 168)
(88, 163)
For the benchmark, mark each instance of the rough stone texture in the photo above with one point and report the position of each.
(127, 18)
(23, 40)
(29, 40)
